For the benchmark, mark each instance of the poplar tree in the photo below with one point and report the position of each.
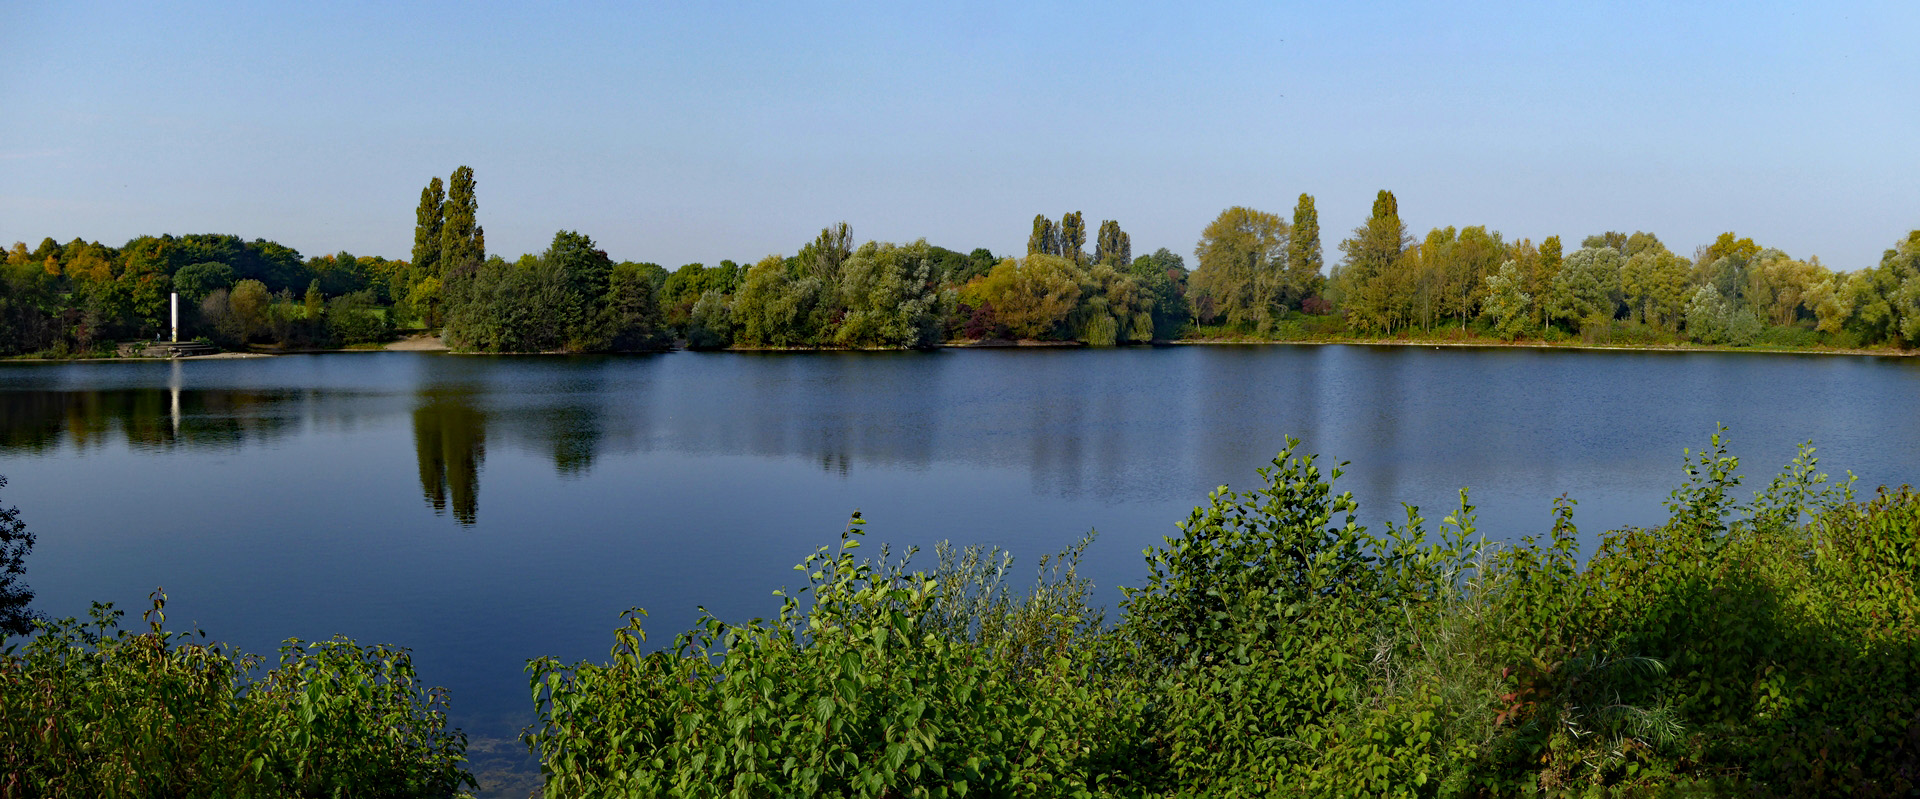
(1073, 237)
(1546, 271)
(1371, 254)
(426, 228)
(829, 251)
(460, 236)
(1303, 250)
(1113, 245)
(1045, 239)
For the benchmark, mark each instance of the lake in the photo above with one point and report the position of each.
(486, 510)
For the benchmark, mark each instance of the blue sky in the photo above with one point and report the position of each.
(679, 132)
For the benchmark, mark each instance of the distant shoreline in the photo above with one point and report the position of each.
(433, 343)
(1548, 345)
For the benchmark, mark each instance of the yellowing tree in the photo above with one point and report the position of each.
(1242, 259)
(1031, 296)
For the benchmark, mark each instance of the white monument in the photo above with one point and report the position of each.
(175, 298)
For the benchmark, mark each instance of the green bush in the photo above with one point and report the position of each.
(1789, 336)
(887, 683)
(88, 709)
(1277, 648)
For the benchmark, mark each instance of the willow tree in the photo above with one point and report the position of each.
(1242, 257)
(1032, 296)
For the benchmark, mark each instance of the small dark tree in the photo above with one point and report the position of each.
(15, 544)
(983, 323)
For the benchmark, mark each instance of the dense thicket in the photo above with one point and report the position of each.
(1278, 648)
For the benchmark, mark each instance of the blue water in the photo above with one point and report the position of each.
(485, 510)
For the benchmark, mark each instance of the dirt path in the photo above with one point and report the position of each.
(420, 342)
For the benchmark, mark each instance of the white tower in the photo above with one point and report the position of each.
(175, 297)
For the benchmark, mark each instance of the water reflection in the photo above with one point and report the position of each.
(1117, 427)
(450, 441)
(156, 418)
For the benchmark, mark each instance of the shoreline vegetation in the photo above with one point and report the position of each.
(1255, 277)
(1464, 342)
(1760, 647)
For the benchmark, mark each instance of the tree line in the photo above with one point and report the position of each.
(1256, 274)
(81, 297)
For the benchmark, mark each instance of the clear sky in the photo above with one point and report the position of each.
(679, 132)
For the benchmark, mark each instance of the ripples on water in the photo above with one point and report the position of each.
(484, 510)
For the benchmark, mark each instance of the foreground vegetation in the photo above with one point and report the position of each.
(90, 709)
(1767, 647)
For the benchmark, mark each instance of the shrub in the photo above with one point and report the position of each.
(1767, 647)
(89, 709)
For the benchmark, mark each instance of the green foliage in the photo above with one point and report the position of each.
(710, 323)
(1031, 296)
(462, 244)
(1768, 647)
(884, 682)
(1712, 319)
(1113, 245)
(429, 219)
(196, 281)
(1073, 237)
(1163, 275)
(891, 297)
(1045, 238)
(571, 298)
(1508, 302)
(357, 319)
(1304, 260)
(1367, 283)
(16, 542)
(89, 709)
(1242, 269)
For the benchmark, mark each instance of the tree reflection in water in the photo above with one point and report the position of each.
(450, 440)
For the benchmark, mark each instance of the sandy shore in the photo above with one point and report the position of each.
(419, 342)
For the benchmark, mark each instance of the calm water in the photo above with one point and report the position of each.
(487, 510)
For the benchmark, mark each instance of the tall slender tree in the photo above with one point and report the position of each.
(829, 250)
(1045, 239)
(1113, 245)
(1546, 271)
(460, 236)
(1304, 260)
(426, 228)
(1372, 253)
(1073, 237)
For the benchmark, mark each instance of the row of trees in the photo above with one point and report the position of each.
(1732, 291)
(1255, 273)
(82, 296)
